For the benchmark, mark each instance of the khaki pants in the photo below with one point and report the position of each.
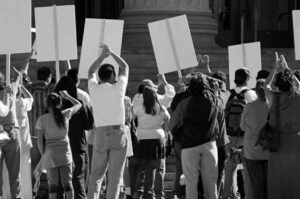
(109, 153)
(204, 159)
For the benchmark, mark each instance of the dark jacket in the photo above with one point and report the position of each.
(196, 117)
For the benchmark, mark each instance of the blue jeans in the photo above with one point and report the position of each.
(109, 153)
(159, 179)
(11, 153)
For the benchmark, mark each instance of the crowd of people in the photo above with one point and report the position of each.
(103, 145)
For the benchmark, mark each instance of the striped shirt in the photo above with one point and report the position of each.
(39, 91)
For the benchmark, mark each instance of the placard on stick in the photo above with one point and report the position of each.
(97, 31)
(45, 33)
(296, 27)
(244, 55)
(15, 23)
(172, 44)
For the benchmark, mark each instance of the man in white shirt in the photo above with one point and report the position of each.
(110, 141)
(242, 76)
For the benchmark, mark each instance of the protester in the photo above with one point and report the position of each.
(283, 165)
(11, 151)
(82, 95)
(241, 95)
(110, 141)
(56, 152)
(262, 74)
(80, 121)
(198, 113)
(254, 117)
(152, 119)
(23, 105)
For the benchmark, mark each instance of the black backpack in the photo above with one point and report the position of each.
(233, 112)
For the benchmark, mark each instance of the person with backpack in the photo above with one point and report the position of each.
(238, 98)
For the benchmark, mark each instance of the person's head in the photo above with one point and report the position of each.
(44, 74)
(66, 84)
(297, 74)
(221, 76)
(106, 73)
(259, 89)
(197, 86)
(285, 81)
(151, 102)
(242, 76)
(54, 102)
(73, 74)
(262, 74)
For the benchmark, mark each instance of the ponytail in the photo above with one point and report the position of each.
(54, 102)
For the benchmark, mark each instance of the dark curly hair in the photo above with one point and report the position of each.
(285, 81)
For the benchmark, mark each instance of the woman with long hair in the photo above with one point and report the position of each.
(56, 152)
(283, 165)
(81, 121)
(254, 117)
(151, 131)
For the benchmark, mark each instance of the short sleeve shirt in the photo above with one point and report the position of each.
(108, 101)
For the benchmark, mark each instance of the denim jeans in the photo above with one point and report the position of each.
(150, 166)
(62, 174)
(109, 153)
(134, 169)
(159, 179)
(258, 177)
(11, 153)
(205, 158)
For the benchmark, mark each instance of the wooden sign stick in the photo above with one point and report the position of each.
(175, 54)
(7, 69)
(56, 43)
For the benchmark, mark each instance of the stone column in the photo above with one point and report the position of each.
(137, 48)
(137, 13)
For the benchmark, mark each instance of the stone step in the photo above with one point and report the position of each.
(168, 185)
(169, 177)
(170, 168)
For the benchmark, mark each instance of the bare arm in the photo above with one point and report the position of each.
(76, 104)
(40, 141)
(124, 69)
(96, 65)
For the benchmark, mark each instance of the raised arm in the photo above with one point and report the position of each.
(76, 104)
(123, 66)
(96, 65)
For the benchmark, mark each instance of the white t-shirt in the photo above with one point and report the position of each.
(84, 97)
(150, 126)
(250, 95)
(108, 101)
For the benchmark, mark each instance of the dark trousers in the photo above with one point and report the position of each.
(135, 174)
(258, 175)
(79, 175)
(179, 189)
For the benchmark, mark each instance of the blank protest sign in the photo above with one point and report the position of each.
(66, 33)
(296, 27)
(15, 23)
(97, 31)
(244, 55)
(172, 43)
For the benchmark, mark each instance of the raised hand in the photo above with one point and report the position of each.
(64, 94)
(105, 50)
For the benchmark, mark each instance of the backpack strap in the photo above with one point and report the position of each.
(232, 94)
